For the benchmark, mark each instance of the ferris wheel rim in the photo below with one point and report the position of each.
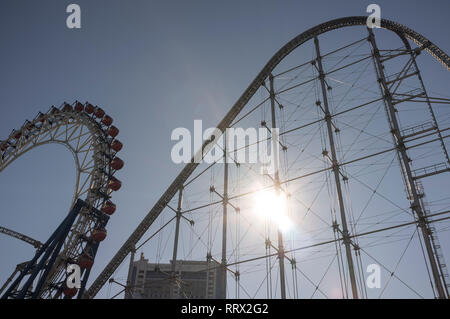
(42, 131)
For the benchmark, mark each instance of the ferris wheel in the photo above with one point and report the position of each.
(88, 133)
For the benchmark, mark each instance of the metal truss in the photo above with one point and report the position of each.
(344, 234)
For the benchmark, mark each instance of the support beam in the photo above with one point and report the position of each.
(177, 229)
(43, 261)
(275, 154)
(128, 288)
(335, 166)
(175, 242)
(406, 168)
(223, 273)
(18, 268)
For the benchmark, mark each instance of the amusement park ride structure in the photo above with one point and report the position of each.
(96, 181)
(89, 134)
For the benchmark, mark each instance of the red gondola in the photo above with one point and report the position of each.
(4, 146)
(107, 120)
(109, 208)
(79, 107)
(99, 234)
(117, 163)
(41, 117)
(67, 107)
(113, 131)
(116, 145)
(17, 134)
(114, 184)
(85, 261)
(69, 292)
(98, 113)
(29, 126)
(89, 108)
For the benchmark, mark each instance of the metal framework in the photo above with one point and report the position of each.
(88, 134)
(348, 239)
(336, 171)
(33, 242)
(20, 267)
(342, 231)
(43, 261)
(276, 179)
(404, 159)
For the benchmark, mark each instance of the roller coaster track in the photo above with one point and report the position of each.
(402, 31)
(33, 242)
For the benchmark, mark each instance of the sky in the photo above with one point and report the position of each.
(153, 66)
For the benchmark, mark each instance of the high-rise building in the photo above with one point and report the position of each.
(191, 279)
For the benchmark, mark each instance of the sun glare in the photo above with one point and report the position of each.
(273, 208)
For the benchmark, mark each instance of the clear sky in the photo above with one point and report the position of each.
(153, 66)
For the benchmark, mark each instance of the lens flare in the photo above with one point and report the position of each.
(273, 208)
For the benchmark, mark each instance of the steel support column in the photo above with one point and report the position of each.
(413, 54)
(404, 163)
(175, 242)
(129, 289)
(277, 185)
(335, 165)
(224, 221)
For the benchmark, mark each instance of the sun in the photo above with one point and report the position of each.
(273, 208)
